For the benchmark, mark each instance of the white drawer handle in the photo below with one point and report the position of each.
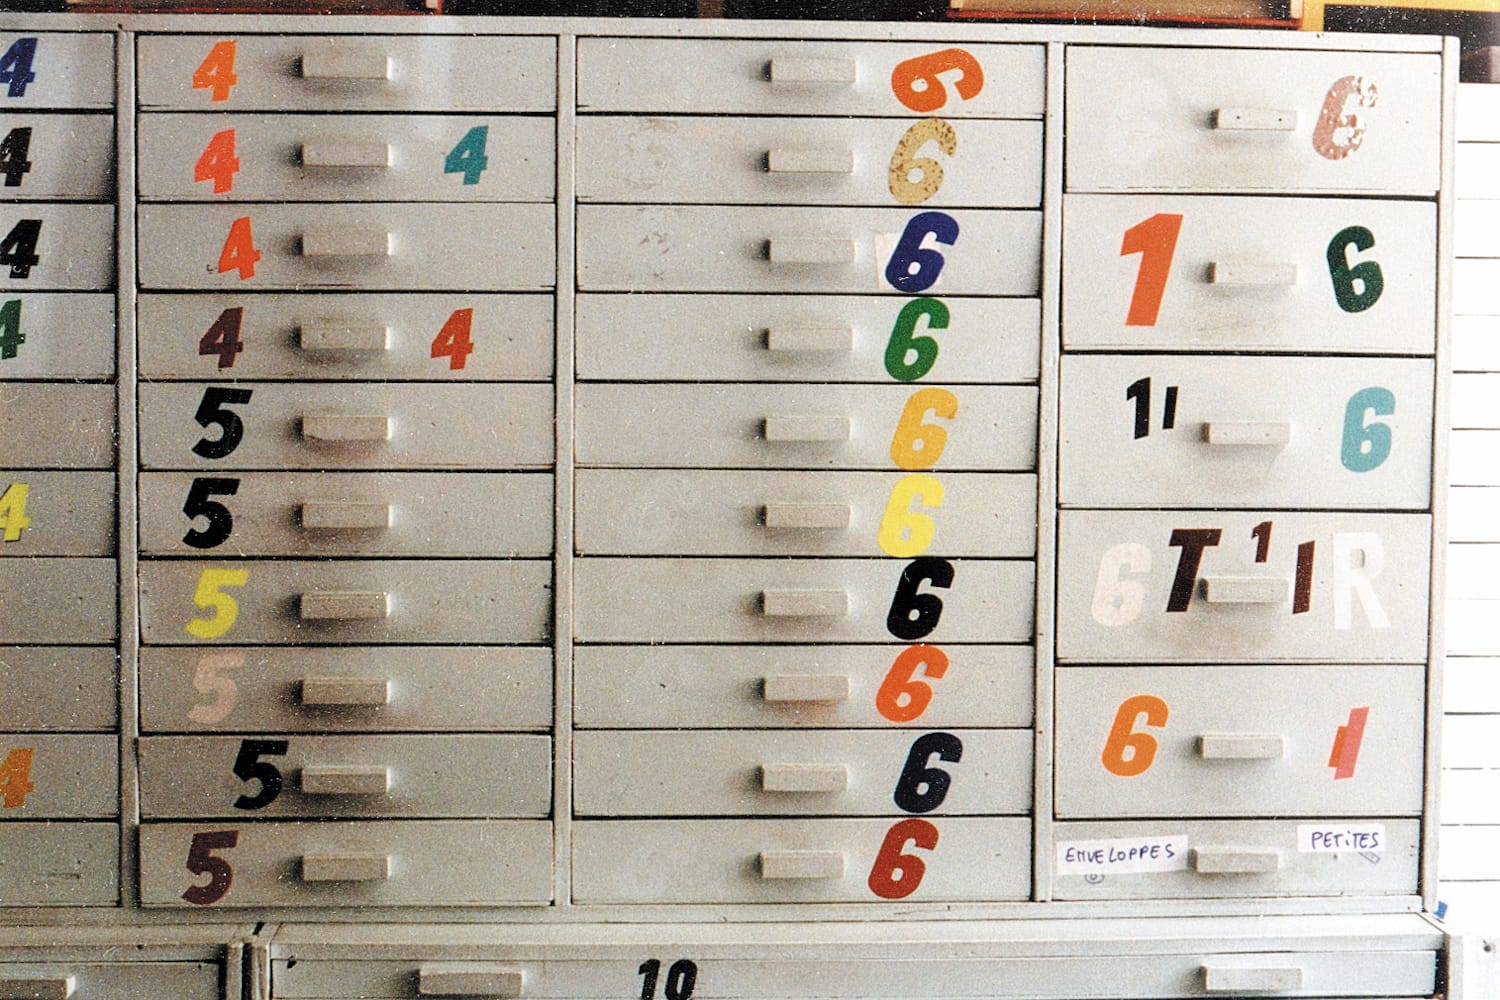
(338, 428)
(334, 606)
(804, 603)
(825, 688)
(345, 779)
(1248, 433)
(1245, 589)
(810, 161)
(339, 692)
(346, 867)
(343, 335)
(329, 155)
(346, 243)
(1254, 120)
(807, 516)
(810, 338)
(40, 988)
(1241, 746)
(334, 515)
(804, 778)
(468, 979)
(810, 250)
(801, 864)
(345, 63)
(1257, 274)
(1264, 979)
(1235, 860)
(811, 69)
(804, 429)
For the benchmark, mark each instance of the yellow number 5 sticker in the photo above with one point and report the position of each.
(211, 595)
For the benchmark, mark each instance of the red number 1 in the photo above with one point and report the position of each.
(1155, 240)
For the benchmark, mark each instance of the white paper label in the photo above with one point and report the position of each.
(1123, 856)
(1328, 838)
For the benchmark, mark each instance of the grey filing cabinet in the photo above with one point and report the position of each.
(644, 508)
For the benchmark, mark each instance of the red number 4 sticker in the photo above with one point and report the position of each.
(453, 341)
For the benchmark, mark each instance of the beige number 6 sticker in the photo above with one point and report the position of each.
(1341, 128)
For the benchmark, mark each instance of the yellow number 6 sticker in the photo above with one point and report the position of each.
(210, 594)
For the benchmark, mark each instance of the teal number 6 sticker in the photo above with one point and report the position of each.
(1367, 441)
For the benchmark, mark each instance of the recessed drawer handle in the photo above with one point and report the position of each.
(334, 692)
(346, 867)
(811, 69)
(346, 243)
(1252, 273)
(1245, 589)
(332, 606)
(345, 63)
(810, 338)
(1255, 120)
(1264, 979)
(804, 603)
(809, 250)
(1235, 861)
(792, 429)
(1241, 746)
(339, 428)
(41, 988)
(1248, 433)
(805, 688)
(818, 778)
(810, 161)
(801, 864)
(343, 335)
(468, 979)
(346, 155)
(345, 779)
(809, 516)
(333, 515)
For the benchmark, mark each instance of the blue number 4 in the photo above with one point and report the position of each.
(15, 66)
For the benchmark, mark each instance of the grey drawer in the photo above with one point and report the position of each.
(426, 863)
(345, 689)
(59, 688)
(57, 247)
(358, 426)
(351, 336)
(404, 245)
(397, 514)
(64, 513)
(768, 249)
(88, 411)
(54, 776)
(51, 863)
(68, 335)
(71, 157)
(66, 601)
(341, 601)
(345, 776)
(72, 70)
(107, 980)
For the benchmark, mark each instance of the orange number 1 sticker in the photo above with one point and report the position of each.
(1156, 241)
(1346, 744)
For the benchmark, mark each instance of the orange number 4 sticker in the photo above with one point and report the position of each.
(215, 73)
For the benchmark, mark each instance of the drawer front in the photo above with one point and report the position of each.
(390, 601)
(345, 689)
(720, 861)
(67, 70)
(59, 688)
(1249, 120)
(63, 335)
(69, 156)
(804, 338)
(51, 776)
(358, 426)
(57, 513)
(1205, 432)
(1333, 587)
(346, 73)
(56, 246)
(802, 161)
(798, 773)
(993, 428)
(726, 600)
(345, 776)
(58, 601)
(663, 512)
(48, 863)
(337, 337)
(428, 863)
(1236, 741)
(1249, 274)
(336, 247)
(115, 980)
(360, 158)
(761, 76)
(88, 411)
(356, 514)
(1238, 858)
(801, 687)
(764, 249)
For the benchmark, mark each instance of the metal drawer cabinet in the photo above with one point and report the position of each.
(67, 157)
(57, 246)
(1252, 120)
(354, 864)
(57, 513)
(66, 70)
(65, 335)
(65, 601)
(59, 688)
(59, 863)
(86, 413)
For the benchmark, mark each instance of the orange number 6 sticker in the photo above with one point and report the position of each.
(1127, 752)
(917, 85)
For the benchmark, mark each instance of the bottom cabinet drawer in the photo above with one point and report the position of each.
(59, 864)
(398, 863)
(111, 981)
